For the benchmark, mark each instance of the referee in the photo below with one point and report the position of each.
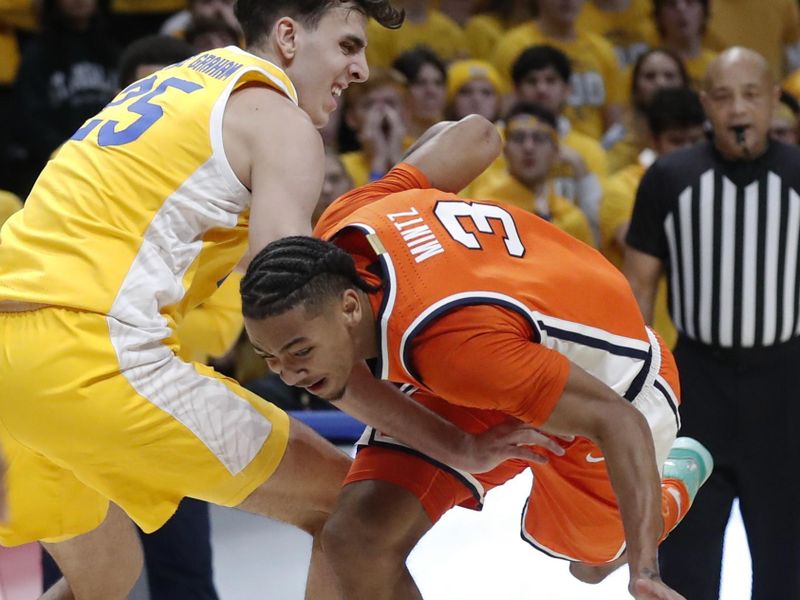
(723, 220)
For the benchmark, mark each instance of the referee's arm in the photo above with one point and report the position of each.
(643, 272)
(645, 243)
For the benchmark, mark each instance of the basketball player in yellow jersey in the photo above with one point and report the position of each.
(136, 220)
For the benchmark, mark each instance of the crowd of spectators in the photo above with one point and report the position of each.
(586, 94)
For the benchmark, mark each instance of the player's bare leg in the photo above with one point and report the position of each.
(302, 492)
(595, 573)
(369, 537)
(102, 564)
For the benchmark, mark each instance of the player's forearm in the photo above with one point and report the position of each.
(627, 445)
(384, 407)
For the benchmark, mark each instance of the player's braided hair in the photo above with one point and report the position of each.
(297, 271)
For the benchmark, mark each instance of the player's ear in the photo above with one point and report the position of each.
(351, 307)
(285, 37)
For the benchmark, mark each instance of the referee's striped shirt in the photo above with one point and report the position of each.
(728, 235)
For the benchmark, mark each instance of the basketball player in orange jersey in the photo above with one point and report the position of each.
(482, 312)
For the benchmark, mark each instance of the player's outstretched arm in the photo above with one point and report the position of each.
(387, 409)
(452, 154)
(589, 408)
(277, 153)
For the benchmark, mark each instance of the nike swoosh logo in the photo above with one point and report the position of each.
(594, 459)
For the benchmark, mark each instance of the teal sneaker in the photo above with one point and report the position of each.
(690, 463)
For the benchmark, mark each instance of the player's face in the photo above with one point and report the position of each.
(546, 88)
(675, 139)
(658, 72)
(530, 149)
(312, 351)
(329, 58)
(740, 94)
(476, 97)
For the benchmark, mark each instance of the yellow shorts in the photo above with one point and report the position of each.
(85, 419)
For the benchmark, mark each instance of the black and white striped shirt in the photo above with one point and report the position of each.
(728, 234)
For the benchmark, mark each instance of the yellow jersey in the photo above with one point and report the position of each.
(9, 204)
(139, 216)
(595, 81)
(550, 206)
(631, 31)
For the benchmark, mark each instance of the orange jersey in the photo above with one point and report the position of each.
(550, 298)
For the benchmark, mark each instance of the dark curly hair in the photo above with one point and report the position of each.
(297, 271)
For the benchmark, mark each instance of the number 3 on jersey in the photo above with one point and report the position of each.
(450, 211)
(148, 112)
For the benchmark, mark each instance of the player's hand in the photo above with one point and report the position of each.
(512, 439)
(646, 588)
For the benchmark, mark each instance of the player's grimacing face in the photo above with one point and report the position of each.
(329, 58)
(314, 352)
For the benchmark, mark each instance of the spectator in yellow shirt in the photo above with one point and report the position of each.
(654, 70)
(597, 92)
(770, 27)
(134, 19)
(682, 25)
(675, 120)
(542, 75)
(427, 88)
(473, 88)
(424, 26)
(784, 126)
(531, 148)
(626, 24)
(375, 110)
(491, 19)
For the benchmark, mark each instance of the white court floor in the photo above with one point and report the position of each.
(467, 556)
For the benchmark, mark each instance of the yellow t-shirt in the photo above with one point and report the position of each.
(147, 6)
(631, 31)
(483, 32)
(9, 204)
(595, 73)
(439, 32)
(211, 329)
(357, 167)
(619, 195)
(559, 211)
(14, 14)
(139, 215)
(592, 154)
(697, 66)
(767, 27)
(792, 83)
